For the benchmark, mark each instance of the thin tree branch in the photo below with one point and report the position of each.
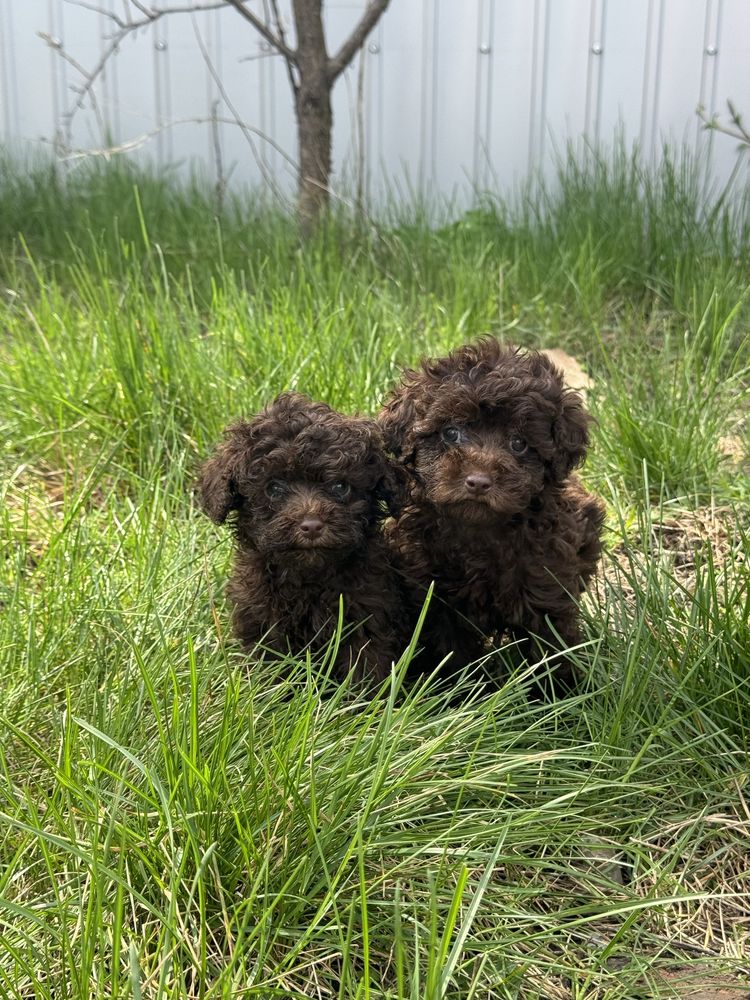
(137, 4)
(267, 176)
(338, 63)
(67, 117)
(263, 29)
(97, 10)
(124, 28)
(290, 66)
(150, 14)
(141, 140)
(360, 133)
(257, 56)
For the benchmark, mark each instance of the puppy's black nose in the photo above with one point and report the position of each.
(311, 527)
(478, 482)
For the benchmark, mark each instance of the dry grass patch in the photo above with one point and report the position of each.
(678, 542)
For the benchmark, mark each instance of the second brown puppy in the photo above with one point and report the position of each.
(307, 489)
(491, 437)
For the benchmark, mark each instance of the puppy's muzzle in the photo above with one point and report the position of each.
(312, 532)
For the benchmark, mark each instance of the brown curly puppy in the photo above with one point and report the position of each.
(491, 436)
(307, 489)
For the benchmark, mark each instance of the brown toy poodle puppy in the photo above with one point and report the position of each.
(307, 490)
(491, 436)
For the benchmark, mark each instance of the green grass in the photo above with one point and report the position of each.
(176, 823)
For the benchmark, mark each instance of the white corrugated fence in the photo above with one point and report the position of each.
(447, 95)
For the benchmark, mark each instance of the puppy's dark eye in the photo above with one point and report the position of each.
(340, 490)
(451, 435)
(518, 446)
(275, 489)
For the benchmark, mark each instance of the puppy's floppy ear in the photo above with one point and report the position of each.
(570, 434)
(397, 420)
(217, 486)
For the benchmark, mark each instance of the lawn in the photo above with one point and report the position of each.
(177, 821)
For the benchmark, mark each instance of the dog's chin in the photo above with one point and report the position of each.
(311, 553)
(477, 510)
(470, 511)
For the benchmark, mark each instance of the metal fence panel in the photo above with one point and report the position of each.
(447, 95)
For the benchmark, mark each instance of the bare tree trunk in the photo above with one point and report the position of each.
(314, 125)
(314, 115)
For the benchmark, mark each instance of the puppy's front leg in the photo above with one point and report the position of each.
(535, 642)
(252, 611)
(253, 633)
(372, 647)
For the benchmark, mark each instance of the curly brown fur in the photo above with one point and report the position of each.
(307, 490)
(491, 436)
